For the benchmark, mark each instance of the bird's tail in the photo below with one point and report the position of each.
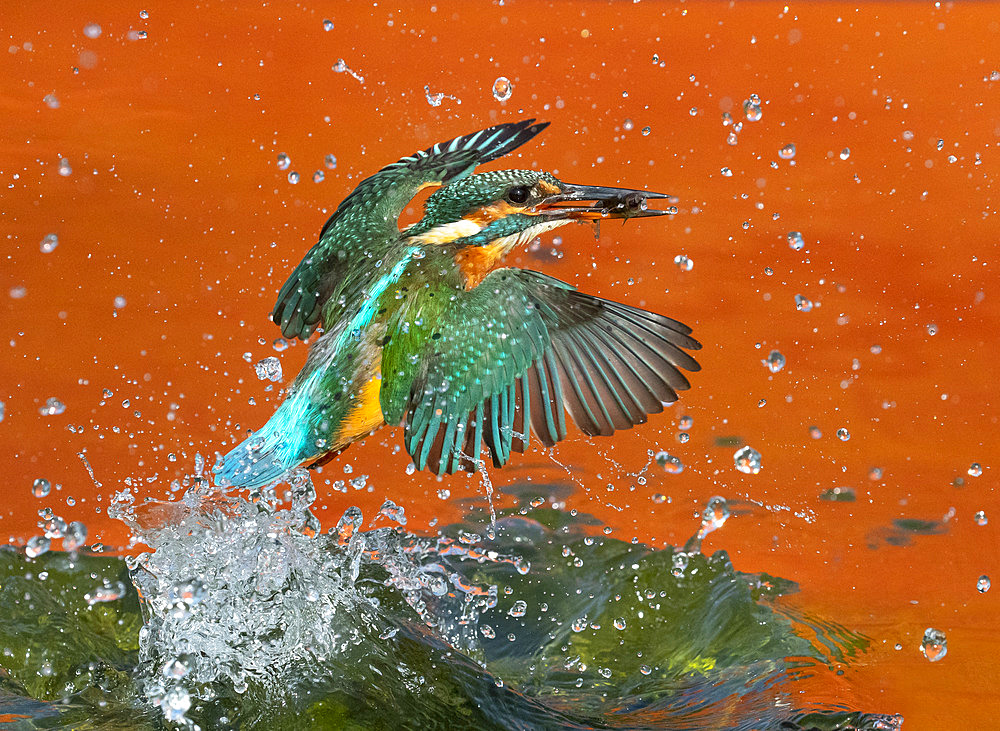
(260, 459)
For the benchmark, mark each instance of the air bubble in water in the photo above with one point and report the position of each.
(51, 101)
(747, 460)
(318, 176)
(845, 153)
(49, 243)
(268, 369)
(731, 139)
(934, 646)
(685, 423)
(774, 362)
(803, 303)
(843, 435)
(983, 584)
(787, 152)
(64, 168)
(795, 240)
(293, 177)
(330, 161)
(502, 89)
(283, 161)
(980, 517)
(327, 24)
(92, 30)
(120, 302)
(975, 469)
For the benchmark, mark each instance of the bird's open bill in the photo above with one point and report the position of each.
(606, 203)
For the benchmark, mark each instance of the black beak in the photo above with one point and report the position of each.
(607, 203)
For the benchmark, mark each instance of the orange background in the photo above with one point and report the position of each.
(175, 203)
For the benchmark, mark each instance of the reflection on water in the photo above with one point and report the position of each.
(245, 615)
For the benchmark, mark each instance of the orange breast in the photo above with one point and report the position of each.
(365, 416)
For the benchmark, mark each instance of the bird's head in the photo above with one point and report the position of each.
(483, 216)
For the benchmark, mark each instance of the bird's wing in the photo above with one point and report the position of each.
(369, 214)
(510, 356)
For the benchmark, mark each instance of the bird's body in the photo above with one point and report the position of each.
(421, 327)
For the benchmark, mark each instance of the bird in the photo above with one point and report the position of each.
(425, 327)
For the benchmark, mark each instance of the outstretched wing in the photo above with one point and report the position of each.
(512, 355)
(367, 218)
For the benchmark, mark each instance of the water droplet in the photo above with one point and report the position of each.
(845, 153)
(980, 517)
(679, 563)
(92, 30)
(682, 437)
(64, 168)
(646, 131)
(120, 302)
(762, 403)
(659, 498)
(3, 410)
(983, 584)
(671, 465)
(41, 487)
(75, 536)
(645, 669)
(975, 469)
(318, 176)
(934, 646)
(49, 243)
(843, 435)
(932, 329)
(51, 101)
(393, 512)
(693, 111)
(53, 406)
(752, 108)
(293, 177)
(279, 345)
(268, 369)
(579, 625)
(685, 422)
(144, 14)
(787, 152)
(283, 161)
(815, 432)
(795, 240)
(36, 546)
(443, 494)
(747, 460)
(488, 632)
(802, 303)
(502, 89)
(627, 125)
(327, 24)
(330, 161)
(732, 139)
(684, 263)
(726, 173)
(774, 362)
(768, 271)
(715, 515)
(519, 609)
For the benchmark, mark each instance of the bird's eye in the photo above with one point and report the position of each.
(518, 194)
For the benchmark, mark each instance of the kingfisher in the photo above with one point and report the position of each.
(423, 327)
